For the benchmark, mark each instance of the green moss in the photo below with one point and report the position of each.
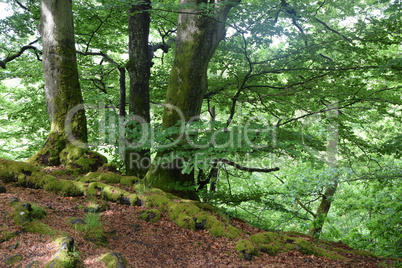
(92, 229)
(6, 235)
(93, 207)
(37, 212)
(265, 238)
(12, 171)
(309, 248)
(113, 260)
(13, 260)
(65, 187)
(157, 200)
(81, 158)
(176, 209)
(245, 247)
(134, 199)
(21, 215)
(107, 192)
(232, 232)
(41, 228)
(364, 253)
(66, 257)
(150, 215)
(129, 180)
(217, 229)
(185, 221)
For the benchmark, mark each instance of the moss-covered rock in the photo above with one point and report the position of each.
(269, 242)
(113, 260)
(246, 249)
(66, 256)
(160, 201)
(107, 192)
(150, 215)
(6, 235)
(65, 187)
(185, 221)
(24, 213)
(81, 158)
(12, 260)
(109, 177)
(12, 171)
(177, 209)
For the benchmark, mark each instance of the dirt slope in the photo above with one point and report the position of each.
(141, 242)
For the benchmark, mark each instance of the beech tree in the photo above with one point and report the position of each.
(62, 89)
(201, 27)
(283, 64)
(137, 161)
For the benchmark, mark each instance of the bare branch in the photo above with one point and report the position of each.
(305, 208)
(16, 55)
(332, 30)
(105, 56)
(248, 169)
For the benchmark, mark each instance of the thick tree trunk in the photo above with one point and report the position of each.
(62, 89)
(137, 161)
(198, 35)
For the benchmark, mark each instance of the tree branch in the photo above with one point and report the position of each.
(100, 53)
(16, 55)
(332, 30)
(305, 208)
(248, 169)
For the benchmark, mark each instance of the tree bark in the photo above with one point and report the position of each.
(199, 32)
(328, 195)
(64, 99)
(322, 210)
(137, 160)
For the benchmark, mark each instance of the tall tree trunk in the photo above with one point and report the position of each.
(328, 195)
(200, 29)
(62, 88)
(137, 161)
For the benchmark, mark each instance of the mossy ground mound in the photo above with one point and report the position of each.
(100, 188)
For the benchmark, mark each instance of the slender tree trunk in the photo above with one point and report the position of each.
(62, 88)
(322, 210)
(137, 161)
(198, 35)
(328, 195)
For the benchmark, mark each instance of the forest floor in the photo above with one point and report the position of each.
(142, 243)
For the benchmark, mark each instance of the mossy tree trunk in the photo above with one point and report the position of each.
(322, 210)
(201, 26)
(62, 89)
(137, 160)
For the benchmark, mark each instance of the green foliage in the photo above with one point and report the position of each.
(281, 80)
(92, 229)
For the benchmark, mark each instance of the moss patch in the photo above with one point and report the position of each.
(246, 249)
(12, 171)
(81, 158)
(113, 260)
(66, 256)
(13, 260)
(150, 215)
(6, 235)
(109, 177)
